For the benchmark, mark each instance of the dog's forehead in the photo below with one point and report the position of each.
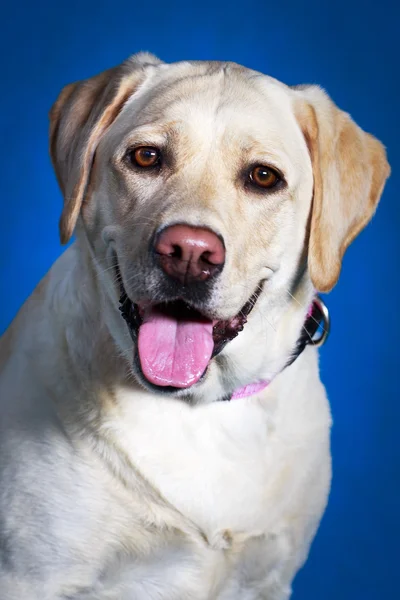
(202, 101)
(208, 85)
(217, 91)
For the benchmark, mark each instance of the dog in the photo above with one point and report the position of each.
(164, 431)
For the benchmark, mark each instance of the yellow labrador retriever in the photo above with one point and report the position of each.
(164, 432)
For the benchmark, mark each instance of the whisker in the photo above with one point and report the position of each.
(312, 318)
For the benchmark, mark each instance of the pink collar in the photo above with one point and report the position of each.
(249, 390)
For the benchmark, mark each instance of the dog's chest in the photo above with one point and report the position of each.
(221, 466)
(198, 573)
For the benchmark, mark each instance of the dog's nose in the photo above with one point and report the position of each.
(189, 253)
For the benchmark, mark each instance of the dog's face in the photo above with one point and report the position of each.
(213, 199)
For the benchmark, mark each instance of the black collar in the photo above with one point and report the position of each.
(315, 329)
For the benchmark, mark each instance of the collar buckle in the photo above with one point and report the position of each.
(319, 314)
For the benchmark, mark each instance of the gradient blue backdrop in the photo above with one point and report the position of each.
(352, 49)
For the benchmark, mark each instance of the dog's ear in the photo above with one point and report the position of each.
(79, 118)
(350, 170)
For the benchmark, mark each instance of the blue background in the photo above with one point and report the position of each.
(352, 49)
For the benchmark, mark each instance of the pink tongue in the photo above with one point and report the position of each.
(174, 352)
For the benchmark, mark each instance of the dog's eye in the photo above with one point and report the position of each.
(145, 157)
(264, 177)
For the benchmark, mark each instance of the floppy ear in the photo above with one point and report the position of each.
(350, 170)
(79, 118)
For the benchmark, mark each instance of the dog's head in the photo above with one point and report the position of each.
(215, 200)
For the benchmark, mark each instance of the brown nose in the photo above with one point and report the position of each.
(190, 253)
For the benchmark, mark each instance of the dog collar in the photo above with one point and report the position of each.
(314, 333)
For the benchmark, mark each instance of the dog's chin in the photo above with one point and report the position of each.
(194, 329)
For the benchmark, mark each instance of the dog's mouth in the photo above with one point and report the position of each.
(176, 342)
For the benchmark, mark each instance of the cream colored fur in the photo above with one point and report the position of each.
(110, 491)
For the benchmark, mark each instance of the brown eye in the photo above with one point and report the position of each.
(145, 157)
(264, 177)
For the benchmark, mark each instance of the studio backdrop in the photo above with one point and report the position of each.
(351, 48)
